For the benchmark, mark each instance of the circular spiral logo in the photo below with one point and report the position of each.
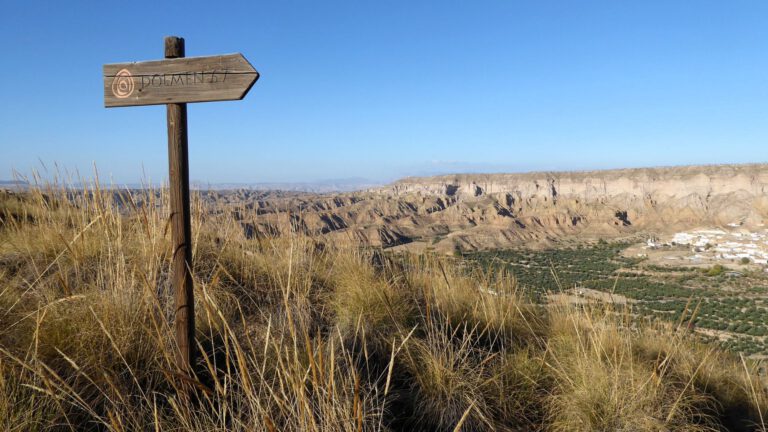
(123, 85)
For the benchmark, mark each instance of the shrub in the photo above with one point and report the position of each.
(716, 270)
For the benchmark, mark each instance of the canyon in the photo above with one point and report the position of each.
(469, 212)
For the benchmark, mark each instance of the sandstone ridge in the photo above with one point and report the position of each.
(485, 211)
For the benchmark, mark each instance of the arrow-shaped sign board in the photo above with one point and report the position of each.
(174, 82)
(178, 80)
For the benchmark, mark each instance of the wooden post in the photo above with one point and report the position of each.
(175, 82)
(178, 162)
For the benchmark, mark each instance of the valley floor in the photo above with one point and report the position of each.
(723, 304)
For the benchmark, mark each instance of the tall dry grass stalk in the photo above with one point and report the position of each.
(295, 334)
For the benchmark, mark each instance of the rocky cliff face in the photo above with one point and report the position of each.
(480, 211)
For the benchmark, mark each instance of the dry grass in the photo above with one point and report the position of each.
(296, 335)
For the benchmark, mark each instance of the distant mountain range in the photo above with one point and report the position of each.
(13, 184)
(321, 186)
(317, 187)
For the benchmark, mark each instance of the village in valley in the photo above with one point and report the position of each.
(732, 245)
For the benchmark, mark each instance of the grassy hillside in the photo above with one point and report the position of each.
(297, 335)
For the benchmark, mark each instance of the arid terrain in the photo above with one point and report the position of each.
(495, 211)
(306, 332)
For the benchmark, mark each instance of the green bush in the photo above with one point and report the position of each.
(715, 270)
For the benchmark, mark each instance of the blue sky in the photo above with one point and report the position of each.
(386, 89)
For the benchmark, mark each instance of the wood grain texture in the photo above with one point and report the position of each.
(178, 80)
(174, 47)
(181, 227)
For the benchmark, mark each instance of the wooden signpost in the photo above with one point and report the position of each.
(175, 82)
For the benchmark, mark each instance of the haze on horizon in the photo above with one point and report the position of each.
(380, 90)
